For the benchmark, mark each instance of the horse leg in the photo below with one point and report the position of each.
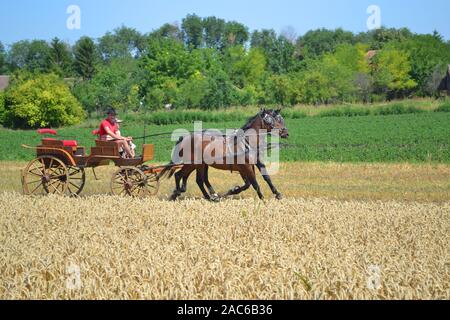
(200, 182)
(212, 192)
(268, 180)
(177, 192)
(184, 174)
(238, 190)
(250, 170)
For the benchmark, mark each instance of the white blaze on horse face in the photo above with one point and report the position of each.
(74, 20)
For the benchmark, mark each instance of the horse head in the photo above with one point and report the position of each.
(273, 120)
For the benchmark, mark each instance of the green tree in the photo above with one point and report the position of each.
(339, 76)
(166, 65)
(391, 72)
(168, 31)
(353, 58)
(214, 32)
(3, 68)
(245, 67)
(17, 55)
(279, 51)
(60, 58)
(220, 92)
(115, 84)
(192, 27)
(33, 56)
(167, 58)
(235, 34)
(317, 42)
(124, 42)
(192, 92)
(86, 58)
(427, 53)
(281, 90)
(378, 38)
(42, 101)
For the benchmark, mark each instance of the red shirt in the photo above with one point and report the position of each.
(106, 124)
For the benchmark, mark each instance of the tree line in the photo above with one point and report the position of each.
(211, 63)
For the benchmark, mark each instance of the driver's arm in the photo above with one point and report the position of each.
(113, 135)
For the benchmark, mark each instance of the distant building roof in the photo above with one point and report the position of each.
(370, 54)
(4, 82)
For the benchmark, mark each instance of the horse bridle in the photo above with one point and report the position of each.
(269, 120)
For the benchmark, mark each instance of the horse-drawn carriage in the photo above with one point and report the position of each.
(59, 168)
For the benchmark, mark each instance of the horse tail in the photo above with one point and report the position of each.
(169, 169)
(167, 172)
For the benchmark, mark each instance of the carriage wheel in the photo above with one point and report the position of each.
(77, 179)
(129, 181)
(152, 184)
(45, 174)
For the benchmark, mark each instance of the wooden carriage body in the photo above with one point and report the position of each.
(59, 168)
(103, 153)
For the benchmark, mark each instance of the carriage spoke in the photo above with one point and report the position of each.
(32, 171)
(73, 184)
(34, 181)
(40, 184)
(74, 172)
(48, 188)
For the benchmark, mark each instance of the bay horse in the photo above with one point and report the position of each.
(265, 122)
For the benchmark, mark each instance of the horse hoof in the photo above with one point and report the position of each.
(215, 198)
(174, 197)
(279, 196)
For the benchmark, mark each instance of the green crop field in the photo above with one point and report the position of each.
(419, 137)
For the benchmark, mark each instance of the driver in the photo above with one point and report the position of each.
(109, 131)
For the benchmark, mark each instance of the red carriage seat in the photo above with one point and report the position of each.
(66, 143)
(47, 131)
(70, 143)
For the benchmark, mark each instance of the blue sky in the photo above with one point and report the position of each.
(45, 19)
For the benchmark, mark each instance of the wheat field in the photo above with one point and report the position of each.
(361, 245)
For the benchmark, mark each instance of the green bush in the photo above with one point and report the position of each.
(396, 109)
(445, 107)
(40, 102)
(293, 114)
(345, 112)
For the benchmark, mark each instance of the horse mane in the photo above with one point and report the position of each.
(250, 122)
